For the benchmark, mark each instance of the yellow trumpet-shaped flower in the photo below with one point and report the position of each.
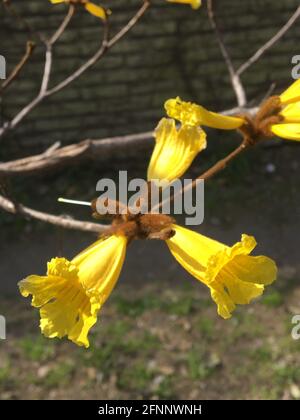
(92, 8)
(193, 114)
(232, 275)
(290, 113)
(195, 4)
(72, 292)
(175, 149)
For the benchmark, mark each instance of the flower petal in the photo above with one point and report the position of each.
(195, 4)
(259, 270)
(42, 288)
(192, 114)
(237, 293)
(100, 265)
(287, 131)
(174, 150)
(291, 94)
(222, 122)
(95, 10)
(240, 291)
(291, 113)
(224, 302)
(71, 314)
(65, 307)
(193, 251)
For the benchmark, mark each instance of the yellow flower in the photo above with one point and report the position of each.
(195, 4)
(290, 102)
(175, 149)
(189, 113)
(92, 8)
(72, 292)
(232, 275)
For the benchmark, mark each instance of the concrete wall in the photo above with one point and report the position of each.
(171, 52)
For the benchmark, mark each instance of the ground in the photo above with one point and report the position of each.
(161, 343)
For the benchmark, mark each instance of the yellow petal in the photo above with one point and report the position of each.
(240, 291)
(63, 301)
(195, 4)
(174, 150)
(70, 312)
(287, 131)
(292, 94)
(72, 293)
(192, 114)
(58, 1)
(41, 288)
(232, 275)
(99, 267)
(291, 113)
(95, 10)
(222, 122)
(193, 251)
(259, 270)
(224, 302)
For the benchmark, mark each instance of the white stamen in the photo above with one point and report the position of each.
(80, 203)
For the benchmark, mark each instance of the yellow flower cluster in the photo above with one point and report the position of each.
(72, 293)
(288, 126)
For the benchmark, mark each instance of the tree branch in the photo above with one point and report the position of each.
(87, 149)
(62, 221)
(44, 93)
(209, 173)
(19, 18)
(234, 77)
(49, 44)
(18, 68)
(270, 43)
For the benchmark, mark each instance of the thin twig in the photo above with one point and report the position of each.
(209, 173)
(63, 221)
(221, 164)
(45, 78)
(18, 68)
(270, 43)
(89, 149)
(106, 45)
(82, 69)
(18, 17)
(45, 93)
(234, 77)
(49, 44)
(77, 152)
(61, 29)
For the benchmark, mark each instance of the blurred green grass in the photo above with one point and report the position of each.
(166, 343)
